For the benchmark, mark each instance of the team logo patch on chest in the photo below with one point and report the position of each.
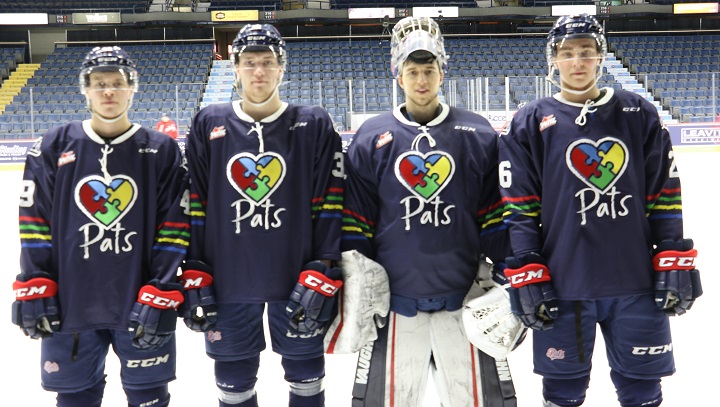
(425, 175)
(598, 164)
(256, 177)
(105, 202)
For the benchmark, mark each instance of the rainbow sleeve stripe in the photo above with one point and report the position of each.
(34, 233)
(525, 205)
(173, 236)
(667, 204)
(356, 227)
(491, 218)
(329, 206)
(197, 210)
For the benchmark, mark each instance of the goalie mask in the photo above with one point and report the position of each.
(570, 28)
(108, 59)
(258, 38)
(413, 34)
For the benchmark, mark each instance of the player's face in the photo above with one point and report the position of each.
(109, 93)
(577, 61)
(421, 84)
(259, 74)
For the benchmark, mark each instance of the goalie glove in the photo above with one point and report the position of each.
(154, 316)
(312, 302)
(532, 296)
(677, 281)
(490, 324)
(199, 310)
(35, 309)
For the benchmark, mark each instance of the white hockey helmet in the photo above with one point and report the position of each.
(413, 34)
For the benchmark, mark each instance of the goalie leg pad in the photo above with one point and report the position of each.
(363, 306)
(490, 382)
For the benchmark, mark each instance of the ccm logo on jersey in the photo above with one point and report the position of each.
(675, 260)
(319, 282)
(631, 109)
(528, 274)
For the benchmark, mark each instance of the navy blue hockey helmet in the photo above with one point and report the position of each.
(108, 59)
(570, 28)
(573, 27)
(259, 37)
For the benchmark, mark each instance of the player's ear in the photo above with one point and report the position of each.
(400, 80)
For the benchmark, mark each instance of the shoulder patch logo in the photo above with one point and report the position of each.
(217, 132)
(384, 139)
(425, 175)
(35, 150)
(548, 121)
(66, 158)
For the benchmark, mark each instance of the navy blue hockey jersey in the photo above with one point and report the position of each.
(266, 197)
(103, 217)
(592, 198)
(423, 201)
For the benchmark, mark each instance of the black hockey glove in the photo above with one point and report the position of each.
(154, 316)
(677, 281)
(35, 309)
(199, 311)
(312, 302)
(532, 296)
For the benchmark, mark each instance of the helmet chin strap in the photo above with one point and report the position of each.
(550, 77)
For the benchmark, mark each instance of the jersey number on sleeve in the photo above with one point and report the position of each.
(26, 196)
(673, 166)
(505, 174)
(339, 168)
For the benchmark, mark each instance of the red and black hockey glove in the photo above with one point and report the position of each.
(532, 296)
(199, 311)
(35, 309)
(677, 281)
(154, 316)
(312, 302)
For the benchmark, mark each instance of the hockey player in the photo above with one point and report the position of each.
(267, 181)
(595, 218)
(103, 229)
(422, 200)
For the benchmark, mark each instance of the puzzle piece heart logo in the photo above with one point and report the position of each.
(598, 164)
(106, 202)
(425, 175)
(256, 177)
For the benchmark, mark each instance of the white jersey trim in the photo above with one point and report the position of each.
(237, 107)
(434, 122)
(116, 140)
(609, 92)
